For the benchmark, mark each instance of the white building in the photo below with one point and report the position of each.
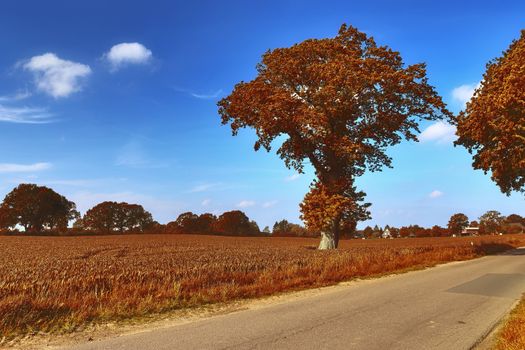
(386, 234)
(470, 231)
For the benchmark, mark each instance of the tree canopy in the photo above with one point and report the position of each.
(457, 223)
(36, 208)
(235, 223)
(492, 127)
(109, 217)
(491, 221)
(192, 223)
(339, 103)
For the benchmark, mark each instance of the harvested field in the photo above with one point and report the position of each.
(61, 284)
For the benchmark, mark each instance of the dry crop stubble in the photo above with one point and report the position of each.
(61, 284)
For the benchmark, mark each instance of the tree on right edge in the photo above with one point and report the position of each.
(492, 127)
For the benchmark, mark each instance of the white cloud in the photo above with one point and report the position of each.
(292, 177)
(464, 93)
(127, 53)
(23, 168)
(245, 204)
(269, 204)
(440, 132)
(55, 76)
(25, 115)
(436, 194)
(206, 202)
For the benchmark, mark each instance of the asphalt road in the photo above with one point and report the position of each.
(451, 306)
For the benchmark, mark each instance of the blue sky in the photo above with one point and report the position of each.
(117, 101)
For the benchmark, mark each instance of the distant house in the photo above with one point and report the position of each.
(386, 234)
(470, 231)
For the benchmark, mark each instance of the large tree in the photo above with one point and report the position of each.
(491, 221)
(235, 223)
(192, 223)
(457, 223)
(492, 127)
(109, 217)
(337, 103)
(36, 208)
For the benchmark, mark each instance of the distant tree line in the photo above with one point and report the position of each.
(40, 210)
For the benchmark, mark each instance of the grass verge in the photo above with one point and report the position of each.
(512, 334)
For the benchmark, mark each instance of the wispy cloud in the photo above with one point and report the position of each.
(163, 210)
(204, 187)
(21, 95)
(269, 204)
(133, 155)
(246, 204)
(75, 182)
(292, 177)
(124, 54)
(55, 76)
(211, 96)
(464, 93)
(206, 202)
(201, 96)
(436, 194)
(25, 115)
(440, 132)
(23, 168)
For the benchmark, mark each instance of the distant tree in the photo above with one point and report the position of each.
(492, 127)
(457, 223)
(515, 219)
(491, 221)
(281, 227)
(285, 228)
(377, 231)
(36, 208)
(340, 102)
(187, 222)
(394, 232)
(110, 217)
(368, 232)
(172, 227)
(191, 223)
(235, 223)
(438, 231)
(205, 223)
(474, 224)
(414, 231)
(254, 228)
(266, 230)
(136, 218)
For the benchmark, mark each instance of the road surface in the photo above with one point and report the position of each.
(451, 306)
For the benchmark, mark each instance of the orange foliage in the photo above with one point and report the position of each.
(340, 102)
(493, 124)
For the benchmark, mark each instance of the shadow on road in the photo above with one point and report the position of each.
(514, 252)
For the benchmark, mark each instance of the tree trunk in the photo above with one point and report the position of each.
(327, 241)
(330, 240)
